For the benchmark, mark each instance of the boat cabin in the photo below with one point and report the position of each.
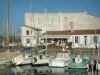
(62, 54)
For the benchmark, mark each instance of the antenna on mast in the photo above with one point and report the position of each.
(46, 25)
(30, 21)
(8, 24)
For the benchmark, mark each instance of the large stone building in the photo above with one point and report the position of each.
(80, 28)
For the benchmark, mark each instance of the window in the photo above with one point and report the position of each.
(39, 21)
(76, 39)
(52, 21)
(27, 41)
(71, 26)
(27, 32)
(85, 39)
(95, 39)
(65, 18)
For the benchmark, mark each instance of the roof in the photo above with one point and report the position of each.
(34, 28)
(74, 32)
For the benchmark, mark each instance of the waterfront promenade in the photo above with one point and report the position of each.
(52, 50)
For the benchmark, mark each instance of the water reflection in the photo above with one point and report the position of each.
(77, 72)
(29, 70)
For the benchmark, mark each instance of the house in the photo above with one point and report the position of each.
(80, 28)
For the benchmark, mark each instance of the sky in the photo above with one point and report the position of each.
(18, 8)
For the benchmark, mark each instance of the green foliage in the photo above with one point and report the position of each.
(69, 44)
(41, 46)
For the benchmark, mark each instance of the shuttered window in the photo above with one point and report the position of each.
(76, 39)
(27, 32)
(95, 39)
(27, 41)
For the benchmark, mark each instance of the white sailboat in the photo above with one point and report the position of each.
(24, 58)
(61, 61)
(42, 59)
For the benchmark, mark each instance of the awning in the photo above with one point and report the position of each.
(27, 49)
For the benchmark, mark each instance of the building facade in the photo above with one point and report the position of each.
(29, 35)
(57, 24)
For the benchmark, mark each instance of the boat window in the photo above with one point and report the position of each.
(62, 55)
(30, 56)
(59, 55)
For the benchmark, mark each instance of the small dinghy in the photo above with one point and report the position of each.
(79, 63)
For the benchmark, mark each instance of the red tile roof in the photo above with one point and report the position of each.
(37, 29)
(75, 32)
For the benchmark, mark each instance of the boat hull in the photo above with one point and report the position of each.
(57, 64)
(23, 59)
(42, 62)
(25, 62)
(17, 60)
(83, 65)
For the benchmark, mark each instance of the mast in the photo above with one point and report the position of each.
(3, 34)
(46, 25)
(30, 22)
(93, 57)
(8, 24)
(95, 39)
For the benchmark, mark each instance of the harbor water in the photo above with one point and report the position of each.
(43, 70)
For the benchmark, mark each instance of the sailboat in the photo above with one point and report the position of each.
(42, 58)
(13, 43)
(7, 56)
(24, 58)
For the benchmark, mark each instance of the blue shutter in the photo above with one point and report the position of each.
(73, 39)
(98, 41)
(78, 39)
(91, 39)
